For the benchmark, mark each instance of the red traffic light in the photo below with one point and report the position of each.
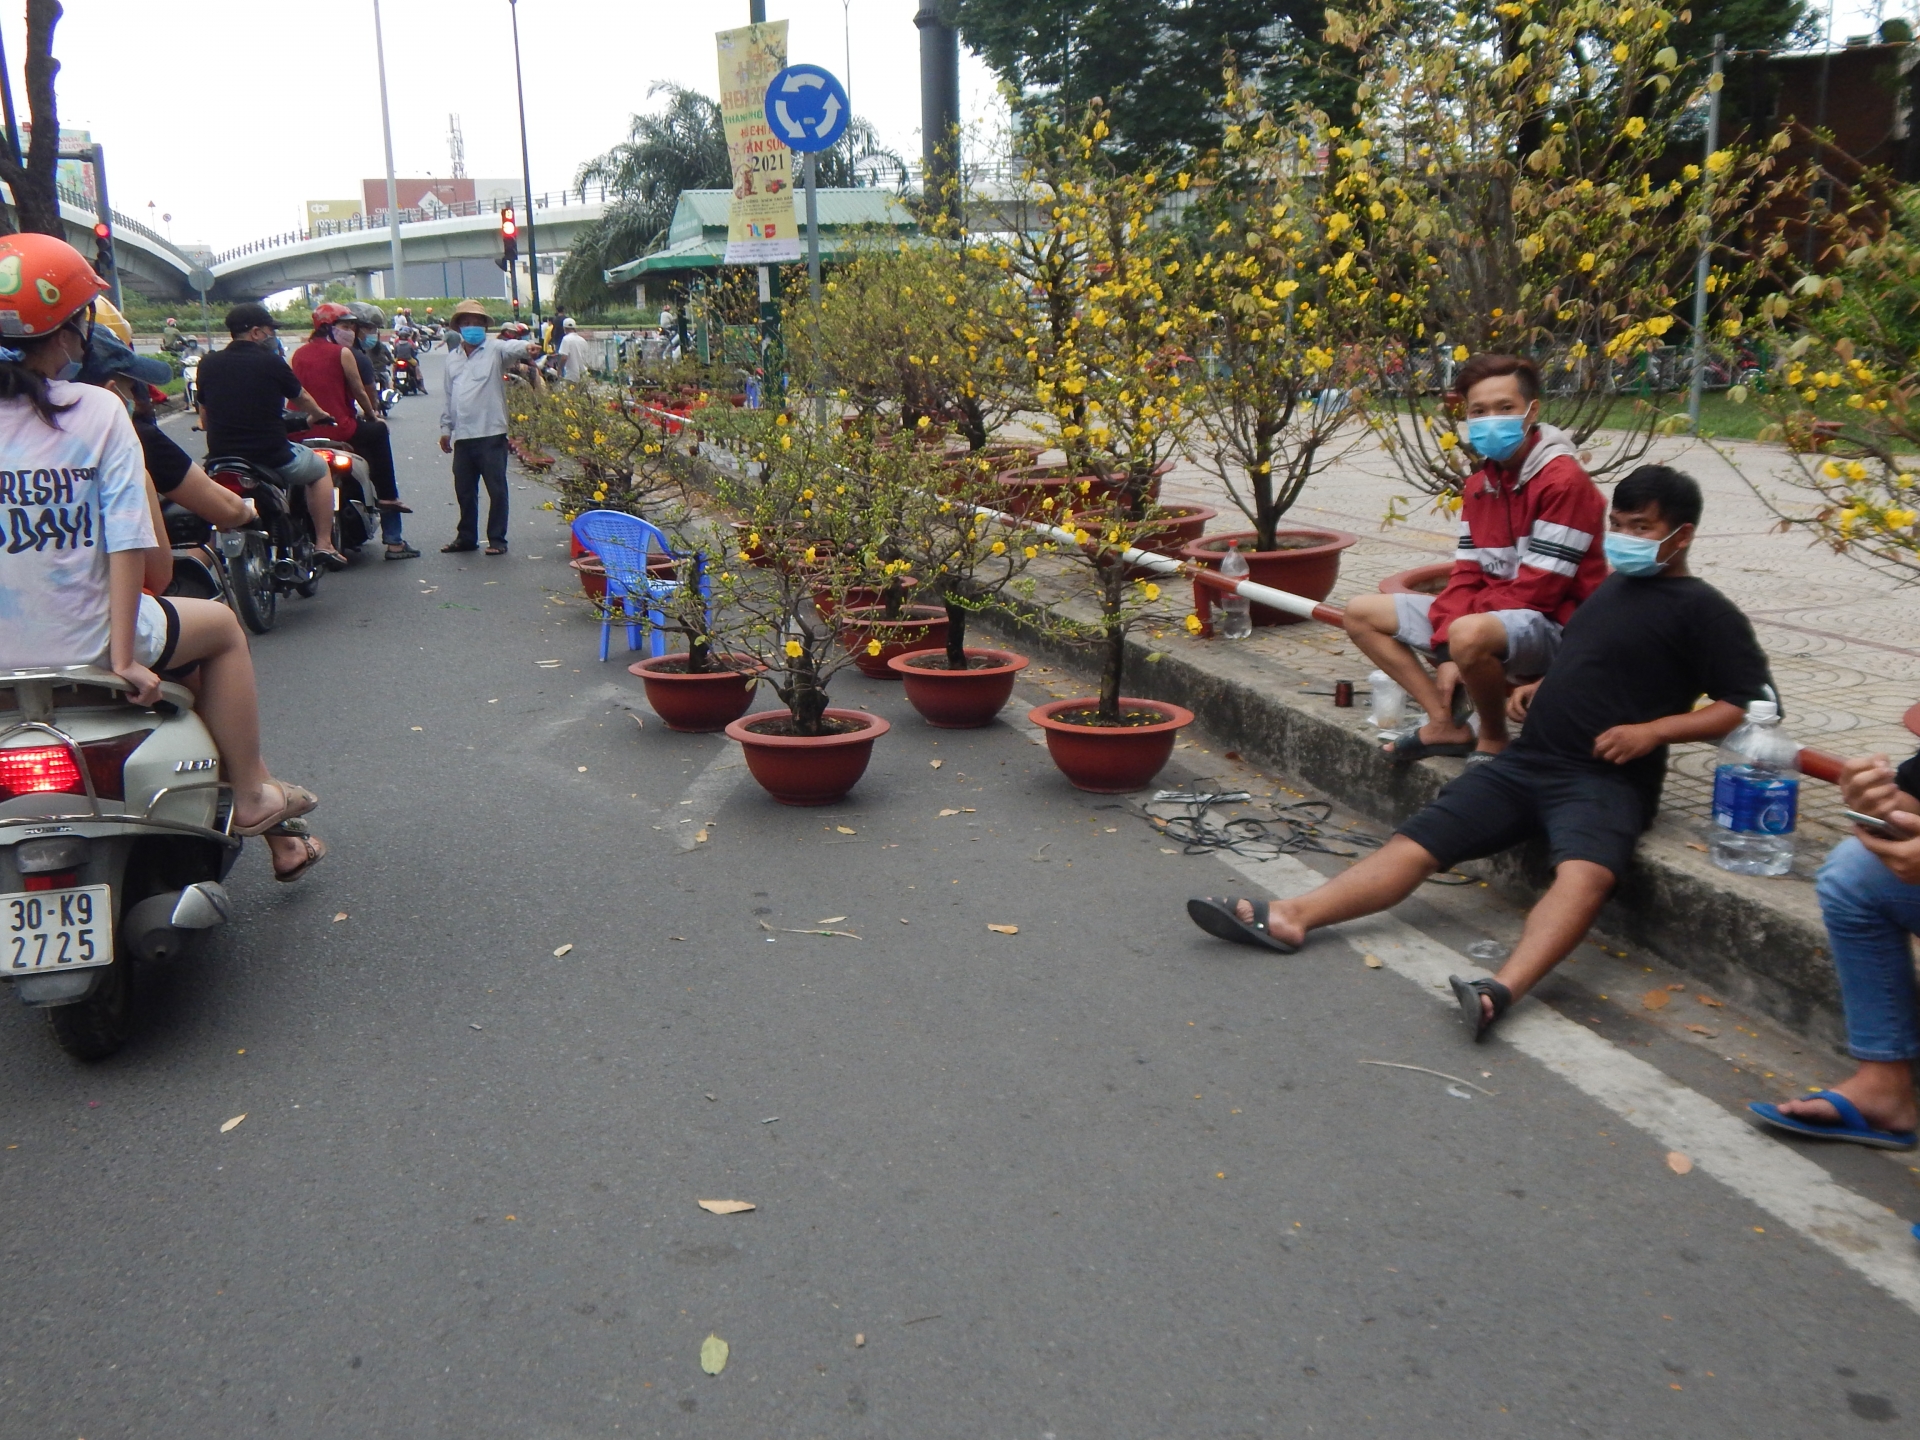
(103, 231)
(509, 227)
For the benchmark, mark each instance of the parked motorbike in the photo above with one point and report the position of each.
(113, 845)
(190, 376)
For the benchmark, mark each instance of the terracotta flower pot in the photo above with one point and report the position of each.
(700, 703)
(858, 596)
(1024, 489)
(1421, 580)
(924, 627)
(975, 470)
(1110, 760)
(1309, 570)
(808, 770)
(958, 699)
(1183, 526)
(593, 575)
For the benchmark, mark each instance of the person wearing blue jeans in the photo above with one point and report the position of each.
(1869, 892)
(473, 425)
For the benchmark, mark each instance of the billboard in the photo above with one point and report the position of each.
(427, 194)
(331, 212)
(760, 219)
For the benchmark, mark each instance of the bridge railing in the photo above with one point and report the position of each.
(461, 209)
(80, 200)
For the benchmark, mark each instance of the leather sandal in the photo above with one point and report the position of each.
(1468, 993)
(316, 849)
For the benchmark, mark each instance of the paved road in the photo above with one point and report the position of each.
(1103, 1178)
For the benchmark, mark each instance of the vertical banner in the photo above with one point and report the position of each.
(761, 228)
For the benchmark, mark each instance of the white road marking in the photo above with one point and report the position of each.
(1865, 1236)
(711, 787)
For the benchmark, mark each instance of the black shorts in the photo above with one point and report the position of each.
(1585, 814)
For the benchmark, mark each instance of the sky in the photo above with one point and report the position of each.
(201, 110)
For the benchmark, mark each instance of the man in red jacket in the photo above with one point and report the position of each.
(1530, 525)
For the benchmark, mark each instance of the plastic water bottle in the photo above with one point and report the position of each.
(1387, 701)
(1756, 796)
(1236, 611)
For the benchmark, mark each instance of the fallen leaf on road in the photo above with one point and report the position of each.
(935, 763)
(846, 830)
(1165, 851)
(713, 1354)
(1655, 999)
(700, 836)
(634, 715)
(419, 727)
(563, 950)
(339, 916)
(1704, 1030)
(581, 768)
(1676, 987)
(859, 1342)
(1708, 1000)
(726, 1207)
(1679, 1164)
(845, 934)
(1372, 962)
(967, 810)
(233, 1122)
(1004, 929)
(945, 813)
(906, 922)
(547, 664)
(676, 937)
(830, 920)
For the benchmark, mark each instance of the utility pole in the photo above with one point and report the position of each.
(526, 171)
(105, 213)
(939, 107)
(1703, 266)
(772, 362)
(386, 131)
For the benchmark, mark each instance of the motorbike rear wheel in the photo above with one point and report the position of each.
(255, 600)
(95, 1027)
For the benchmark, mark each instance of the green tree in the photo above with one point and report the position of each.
(1144, 58)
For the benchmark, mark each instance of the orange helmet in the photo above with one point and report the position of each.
(331, 313)
(44, 282)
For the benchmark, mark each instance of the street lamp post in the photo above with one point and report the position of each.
(526, 168)
(386, 130)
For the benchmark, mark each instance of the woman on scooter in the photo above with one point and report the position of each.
(326, 366)
(74, 494)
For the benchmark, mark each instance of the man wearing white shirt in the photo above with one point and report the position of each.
(573, 354)
(473, 424)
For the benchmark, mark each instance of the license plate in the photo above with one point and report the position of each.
(56, 929)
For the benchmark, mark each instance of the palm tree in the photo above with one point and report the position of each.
(683, 146)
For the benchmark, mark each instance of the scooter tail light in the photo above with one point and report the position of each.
(231, 479)
(341, 462)
(50, 769)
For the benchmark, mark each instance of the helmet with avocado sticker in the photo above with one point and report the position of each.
(44, 283)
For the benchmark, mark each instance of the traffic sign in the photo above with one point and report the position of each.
(807, 108)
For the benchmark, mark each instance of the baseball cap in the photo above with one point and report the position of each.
(242, 318)
(108, 356)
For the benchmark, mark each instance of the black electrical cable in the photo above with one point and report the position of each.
(1301, 828)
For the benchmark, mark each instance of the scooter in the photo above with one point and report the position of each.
(190, 377)
(218, 565)
(356, 509)
(276, 556)
(406, 377)
(114, 841)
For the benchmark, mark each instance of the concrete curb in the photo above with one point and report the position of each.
(1755, 941)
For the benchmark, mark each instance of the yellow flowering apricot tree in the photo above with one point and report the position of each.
(1518, 169)
(1274, 318)
(612, 452)
(1845, 390)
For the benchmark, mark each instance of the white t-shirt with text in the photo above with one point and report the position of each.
(71, 493)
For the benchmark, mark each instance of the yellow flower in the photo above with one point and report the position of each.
(1150, 590)
(1448, 440)
(1620, 53)
(1460, 352)
(1586, 261)
(1047, 504)
(1659, 324)
(1719, 160)
(795, 650)
(1193, 624)
(1689, 172)
(812, 553)
(873, 647)
(1901, 519)
(753, 540)
(999, 547)
(1635, 127)
(1031, 551)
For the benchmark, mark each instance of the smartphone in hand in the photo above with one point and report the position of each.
(1876, 826)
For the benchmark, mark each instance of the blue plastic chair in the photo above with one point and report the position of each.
(623, 544)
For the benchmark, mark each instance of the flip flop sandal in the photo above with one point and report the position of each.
(1217, 918)
(1468, 993)
(297, 800)
(1852, 1126)
(496, 549)
(316, 849)
(457, 548)
(332, 559)
(396, 507)
(1405, 747)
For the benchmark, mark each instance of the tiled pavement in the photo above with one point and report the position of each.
(1844, 641)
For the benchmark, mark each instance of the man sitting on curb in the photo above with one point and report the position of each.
(1586, 771)
(1529, 520)
(1870, 898)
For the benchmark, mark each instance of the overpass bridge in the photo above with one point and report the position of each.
(359, 247)
(148, 263)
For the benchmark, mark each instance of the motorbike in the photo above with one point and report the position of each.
(190, 376)
(114, 843)
(406, 376)
(275, 557)
(356, 509)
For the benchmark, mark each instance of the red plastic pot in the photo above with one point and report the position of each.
(1309, 571)
(698, 704)
(1421, 580)
(1023, 490)
(1183, 526)
(924, 627)
(1110, 760)
(593, 575)
(957, 699)
(808, 770)
(858, 596)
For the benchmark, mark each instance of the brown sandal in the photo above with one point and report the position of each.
(316, 849)
(296, 801)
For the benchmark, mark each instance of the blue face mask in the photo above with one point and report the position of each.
(369, 342)
(1497, 436)
(1635, 554)
(473, 334)
(69, 371)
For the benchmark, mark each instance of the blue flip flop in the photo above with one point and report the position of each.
(1853, 1126)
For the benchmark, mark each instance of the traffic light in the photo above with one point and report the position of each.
(509, 238)
(103, 250)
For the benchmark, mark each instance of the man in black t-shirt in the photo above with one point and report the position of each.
(1586, 771)
(244, 392)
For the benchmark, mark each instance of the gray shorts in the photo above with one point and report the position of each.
(302, 468)
(1532, 639)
